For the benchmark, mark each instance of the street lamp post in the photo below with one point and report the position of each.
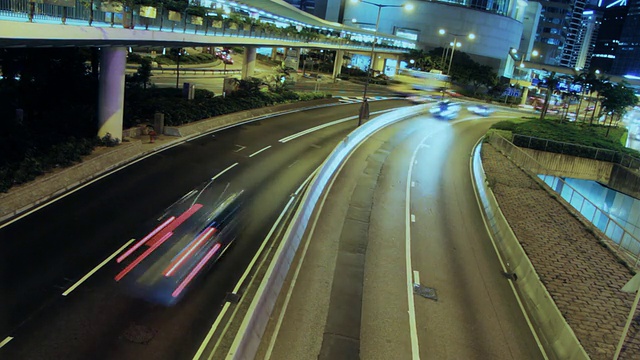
(453, 45)
(364, 113)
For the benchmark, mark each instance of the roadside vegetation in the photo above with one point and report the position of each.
(48, 107)
(597, 136)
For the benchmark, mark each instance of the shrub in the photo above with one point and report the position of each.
(504, 125)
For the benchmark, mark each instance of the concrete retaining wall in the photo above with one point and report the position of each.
(625, 181)
(572, 166)
(556, 336)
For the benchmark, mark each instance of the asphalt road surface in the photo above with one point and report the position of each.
(47, 252)
(425, 227)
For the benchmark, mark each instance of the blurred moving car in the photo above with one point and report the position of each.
(419, 99)
(191, 236)
(224, 54)
(481, 110)
(446, 110)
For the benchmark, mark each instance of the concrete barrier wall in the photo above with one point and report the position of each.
(572, 166)
(248, 339)
(625, 180)
(556, 336)
(25, 197)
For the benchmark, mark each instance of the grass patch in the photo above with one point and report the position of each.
(597, 136)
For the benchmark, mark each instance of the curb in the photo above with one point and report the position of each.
(48, 188)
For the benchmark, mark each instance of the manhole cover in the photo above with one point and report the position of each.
(139, 334)
(425, 291)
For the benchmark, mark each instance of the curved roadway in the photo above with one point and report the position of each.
(44, 254)
(402, 211)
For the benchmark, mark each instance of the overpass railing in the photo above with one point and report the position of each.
(91, 13)
(624, 240)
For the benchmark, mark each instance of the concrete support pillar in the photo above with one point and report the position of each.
(113, 61)
(525, 95)
(337, 64)
(378, 63)
(397, 65)
(249, 64)
(274, 53)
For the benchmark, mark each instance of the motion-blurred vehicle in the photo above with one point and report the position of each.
(446, 110)
(224, 54)
(419, 99)
(481, 110)
(189, 238)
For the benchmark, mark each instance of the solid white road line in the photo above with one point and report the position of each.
(222, 313)
(84, 278)
(5, 341)
(415, 347)
(223, 171)
(259, 151)
(319, 127)
(416, 277)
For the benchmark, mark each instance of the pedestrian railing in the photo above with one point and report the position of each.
(91, 13)
(623, 239)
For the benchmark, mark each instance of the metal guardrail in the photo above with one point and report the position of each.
(623, 239)
(88, 13)
(565, 148)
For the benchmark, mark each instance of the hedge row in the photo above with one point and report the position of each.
(178, 111)
(63, 154)
(141, 106)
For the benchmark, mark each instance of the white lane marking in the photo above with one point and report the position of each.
(315, 128)
(84, 278)
(413, 184)
(151, 153)
(415, 348)
(319, 127)
(5, 341)
(222, 313)
(293, 163)
(259, 151)
(504, 268)
(413, 218)
(240, 148)
(416, 277)
(224, 171)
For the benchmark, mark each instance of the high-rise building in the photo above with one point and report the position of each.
(610, 30)
(627, 61)
(586, 39)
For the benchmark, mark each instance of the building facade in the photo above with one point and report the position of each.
(627, 61)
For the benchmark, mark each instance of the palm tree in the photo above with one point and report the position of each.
(599, 85)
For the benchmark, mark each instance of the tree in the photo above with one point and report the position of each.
(552, 81)
(617, 99)
(143, 75)
(599, 85)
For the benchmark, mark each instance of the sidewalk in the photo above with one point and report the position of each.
(583, 277)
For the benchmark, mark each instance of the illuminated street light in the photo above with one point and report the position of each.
(471, 36)
(406, 6)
